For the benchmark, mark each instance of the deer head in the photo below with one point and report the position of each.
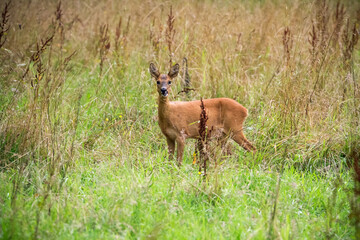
(163, 81)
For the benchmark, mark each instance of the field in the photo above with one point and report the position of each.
(81, 152)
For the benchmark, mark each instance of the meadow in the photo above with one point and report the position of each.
(81, 152)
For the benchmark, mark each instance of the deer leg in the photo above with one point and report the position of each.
(171, 147)
(180, 149)
(240, 139)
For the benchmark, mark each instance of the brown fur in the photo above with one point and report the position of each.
(180, 120)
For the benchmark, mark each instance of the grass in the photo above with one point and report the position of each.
(82, 155)
(105, 201)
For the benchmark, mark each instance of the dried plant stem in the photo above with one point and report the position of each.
(204, 135)
(4, 26)
(104, 45)
(170, 34)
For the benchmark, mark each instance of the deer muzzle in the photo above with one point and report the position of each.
(164, 91)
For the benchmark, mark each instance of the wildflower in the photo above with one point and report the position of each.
(199, 173)
(194, 155)
(106, 119)
(120, 116)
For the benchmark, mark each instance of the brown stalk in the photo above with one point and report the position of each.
(104, 45)
(59, 26)
(170, 34)
(117, 34)
(4, 26)
(313, 40)
(287, 43)
(202, 143)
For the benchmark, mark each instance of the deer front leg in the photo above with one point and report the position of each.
(171, 147)
(180, 149)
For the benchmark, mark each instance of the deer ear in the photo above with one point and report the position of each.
(174, 71)
(154, 71)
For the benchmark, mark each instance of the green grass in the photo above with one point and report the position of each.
(107, 200)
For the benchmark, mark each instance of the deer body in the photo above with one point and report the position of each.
(180, 120)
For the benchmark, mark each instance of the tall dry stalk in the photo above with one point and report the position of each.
(4, 24)
(313, 40)
(203, 141)
(287, 44)
(170, 34)
(103, 45)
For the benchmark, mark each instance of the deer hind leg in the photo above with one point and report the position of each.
(240, 139)
(171, 147)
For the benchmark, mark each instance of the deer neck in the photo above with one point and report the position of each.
(163, 109)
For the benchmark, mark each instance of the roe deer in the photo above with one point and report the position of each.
(180, 120)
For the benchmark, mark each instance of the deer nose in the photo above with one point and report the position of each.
(164, 91)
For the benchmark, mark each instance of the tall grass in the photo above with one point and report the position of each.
(82, 155)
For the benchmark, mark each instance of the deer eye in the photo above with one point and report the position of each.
(158, 82)
(169, 82)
